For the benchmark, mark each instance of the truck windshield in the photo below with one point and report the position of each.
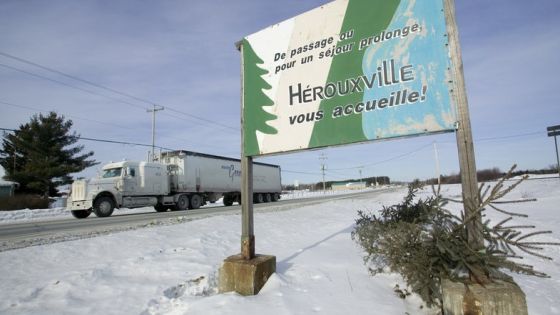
(112, 172)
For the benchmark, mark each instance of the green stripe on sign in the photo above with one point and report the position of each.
(365, 18)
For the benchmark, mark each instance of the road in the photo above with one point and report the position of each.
(20, 235)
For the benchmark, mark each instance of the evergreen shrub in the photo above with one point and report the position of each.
(424, 242)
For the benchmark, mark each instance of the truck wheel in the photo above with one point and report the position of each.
(228, 200)
(183, 202)
(81, 214)
(258, 198)
(275, 197)
(196, 202)
(103, 207)
(160, 208)
(267, 198)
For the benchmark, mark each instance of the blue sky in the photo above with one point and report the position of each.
(181, 55)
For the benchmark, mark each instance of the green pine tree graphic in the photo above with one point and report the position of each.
(254, 116)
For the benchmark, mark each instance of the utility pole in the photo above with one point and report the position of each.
(153, 111)
(323, 158)
(438, 172)
(554, 131)
(360, 170)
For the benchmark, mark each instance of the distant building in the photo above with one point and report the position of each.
(348, 186)
(7, 188)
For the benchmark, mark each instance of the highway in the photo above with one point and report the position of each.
(20, 235)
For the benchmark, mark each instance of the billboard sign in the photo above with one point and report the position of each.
(347, 72)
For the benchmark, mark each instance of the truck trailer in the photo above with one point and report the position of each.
(179, 180)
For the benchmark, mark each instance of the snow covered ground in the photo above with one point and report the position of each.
(173, 269)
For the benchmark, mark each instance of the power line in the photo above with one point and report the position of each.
(191, 121)
(335, 177)
(123, 142)
(383, 161)
(298, 172)
(520, 135)
(202, 119)
(143, 145)
(100, 87)
(511, 136)
(73, 77)
(72, 116)
(336, 172)
(127, 143)
(29, 148)
(99, 122)
(370, 164)
(71, 86)
(425, 146)
(108, 141)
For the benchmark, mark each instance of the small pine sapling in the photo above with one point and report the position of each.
(425, 243)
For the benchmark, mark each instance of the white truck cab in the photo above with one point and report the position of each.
(121, 184)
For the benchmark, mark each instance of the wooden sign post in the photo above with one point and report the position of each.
(247, 272)
(494, 297)
(465, 146)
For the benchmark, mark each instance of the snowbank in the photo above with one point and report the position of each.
(173, 269)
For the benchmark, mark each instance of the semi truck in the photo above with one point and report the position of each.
(179, 180)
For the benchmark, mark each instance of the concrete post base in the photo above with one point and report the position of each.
(497, 298)
(246, 277)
